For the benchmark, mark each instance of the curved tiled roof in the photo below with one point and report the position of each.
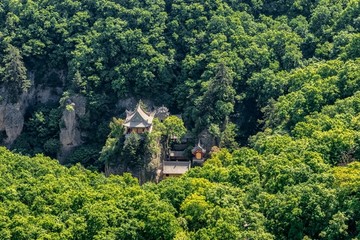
(176, 167)
(198, 147)
(138, 118)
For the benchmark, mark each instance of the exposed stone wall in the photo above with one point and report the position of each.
(12, 114)
(70, 135)
(48, 95)
(207, 140)
(13, 122)
(130, 103)
(148, 172)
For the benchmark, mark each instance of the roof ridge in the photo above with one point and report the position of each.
(144, 117)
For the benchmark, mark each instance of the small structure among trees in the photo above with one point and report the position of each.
(198, 154)
(176, 163)
(162, 113)
(139, 120)
(175, 168)
(168, 131)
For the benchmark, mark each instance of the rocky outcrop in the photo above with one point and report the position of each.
(147, 171)
(130, 103)
(13, 122)
(207, 140)
(48, 95)
(127, 103)
(70, 135)
(12, 113)
(2, 117)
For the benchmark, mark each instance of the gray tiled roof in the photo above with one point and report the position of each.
(138, 118)
(176, 167)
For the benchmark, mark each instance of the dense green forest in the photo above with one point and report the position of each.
(243, 195)
(232, 67)
(276, 84)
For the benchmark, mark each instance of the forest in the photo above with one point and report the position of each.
(275, 84)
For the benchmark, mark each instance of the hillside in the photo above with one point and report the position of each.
(103, 56)
(246, 194)
(275, 85)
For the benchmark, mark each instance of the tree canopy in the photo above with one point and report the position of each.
(275, 83)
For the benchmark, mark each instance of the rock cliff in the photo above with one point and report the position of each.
(70, 135)
(12, 113)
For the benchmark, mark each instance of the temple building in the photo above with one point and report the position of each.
(162, 113)
(138, 121)
(198, 154)
(175, 162)
(175, 168)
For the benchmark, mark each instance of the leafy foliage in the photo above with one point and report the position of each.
(41, 199)
(14, 73)
(279, 77)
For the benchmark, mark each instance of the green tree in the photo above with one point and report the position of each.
(228, 137)
(111, 151)
(217, 103)
(173, 128)
(133, 151)
(14, 73)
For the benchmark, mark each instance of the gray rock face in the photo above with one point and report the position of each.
(80, 105)
(13, 122)
(2, 117)
(12, 114)
(207, 140)
(147, 172)
(130, 103)
(47, 94)
(70, 135)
